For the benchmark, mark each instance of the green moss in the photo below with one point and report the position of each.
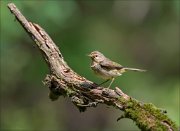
(147, 116)
(122, 100)
(69, 92)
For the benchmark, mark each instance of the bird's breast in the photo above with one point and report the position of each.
(103, 72)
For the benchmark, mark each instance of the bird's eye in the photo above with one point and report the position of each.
(95, 55)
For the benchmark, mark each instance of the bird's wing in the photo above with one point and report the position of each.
(109, 65)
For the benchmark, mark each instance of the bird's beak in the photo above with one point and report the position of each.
(88, 55)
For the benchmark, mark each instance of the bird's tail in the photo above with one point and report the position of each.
(133, 69)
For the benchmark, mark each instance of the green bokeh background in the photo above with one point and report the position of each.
(142, 34)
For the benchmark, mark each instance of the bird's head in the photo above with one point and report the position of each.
(96, 56)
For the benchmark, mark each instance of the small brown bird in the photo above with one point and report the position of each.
(106, 68)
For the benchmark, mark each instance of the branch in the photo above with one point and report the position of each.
(62, 80)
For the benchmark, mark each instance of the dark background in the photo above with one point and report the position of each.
(141, 34)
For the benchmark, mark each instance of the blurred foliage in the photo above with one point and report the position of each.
(142, 34)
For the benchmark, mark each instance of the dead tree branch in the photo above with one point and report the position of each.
(62, 80)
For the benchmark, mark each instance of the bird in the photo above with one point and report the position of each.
(106, 68)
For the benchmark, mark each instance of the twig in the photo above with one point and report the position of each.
(84, 93)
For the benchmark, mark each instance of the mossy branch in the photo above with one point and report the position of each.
(62, 80)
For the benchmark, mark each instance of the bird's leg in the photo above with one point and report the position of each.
(111, 82)
(104, 82)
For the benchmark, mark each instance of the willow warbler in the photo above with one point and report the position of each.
(106, 68)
